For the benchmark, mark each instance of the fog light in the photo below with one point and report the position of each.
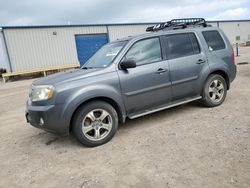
(41, 122)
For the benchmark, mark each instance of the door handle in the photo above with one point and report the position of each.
(200, 61)
(161, 70)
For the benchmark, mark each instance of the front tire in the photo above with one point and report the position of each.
(95, 123)
(214, 91)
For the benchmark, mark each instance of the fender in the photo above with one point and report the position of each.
(218, 67)
(221, 66)
(84, 94)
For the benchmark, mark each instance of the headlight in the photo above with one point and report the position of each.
(40, 93)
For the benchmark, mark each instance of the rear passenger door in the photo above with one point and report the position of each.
(186, 61)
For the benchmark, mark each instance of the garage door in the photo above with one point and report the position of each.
(87, 45)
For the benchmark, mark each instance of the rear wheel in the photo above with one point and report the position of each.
(214, 91)
(95, 123)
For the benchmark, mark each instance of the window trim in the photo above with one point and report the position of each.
(185, 33)
(193, 43)
(140, 41)
(224, 42)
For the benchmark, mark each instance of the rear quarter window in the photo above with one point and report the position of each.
(214, 40)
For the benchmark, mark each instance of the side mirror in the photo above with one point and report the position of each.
(127, 64)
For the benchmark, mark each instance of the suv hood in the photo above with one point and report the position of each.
(66, 76)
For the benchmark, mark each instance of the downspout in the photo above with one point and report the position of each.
(218, 24)
(6, 48)
(107, 27)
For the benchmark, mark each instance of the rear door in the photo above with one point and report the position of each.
(186, 61)
(148, 84)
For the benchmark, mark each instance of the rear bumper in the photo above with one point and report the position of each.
(46, 118)
(234, 72)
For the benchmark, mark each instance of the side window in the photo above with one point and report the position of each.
(195, 43)
(145, 51)
(214, 40)
(179, 45)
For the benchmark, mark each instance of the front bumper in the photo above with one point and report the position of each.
(47, 118)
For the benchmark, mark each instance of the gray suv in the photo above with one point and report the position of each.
(175, 63)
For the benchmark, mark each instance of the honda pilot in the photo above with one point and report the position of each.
(173, 63)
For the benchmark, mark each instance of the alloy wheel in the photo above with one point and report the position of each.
(216, 91)
(97, 124)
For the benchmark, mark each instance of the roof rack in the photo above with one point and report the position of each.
(179, 24)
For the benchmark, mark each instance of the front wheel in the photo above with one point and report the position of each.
(95, 123)
(214, 91)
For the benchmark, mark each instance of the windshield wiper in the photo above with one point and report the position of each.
(88, 67)
(92, 67)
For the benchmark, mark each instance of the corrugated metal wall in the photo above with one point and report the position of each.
(121, 31)
(214, 24)
(233, 29)
(33, 48)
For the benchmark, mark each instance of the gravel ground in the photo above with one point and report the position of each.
(186, 146)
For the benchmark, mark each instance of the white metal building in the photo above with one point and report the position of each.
(33, 47)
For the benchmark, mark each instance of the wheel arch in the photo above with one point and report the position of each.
(113, 103)
(223, 74)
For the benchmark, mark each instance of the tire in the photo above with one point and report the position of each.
(94, 117)
(214, 94)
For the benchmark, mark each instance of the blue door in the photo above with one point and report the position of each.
(87, 45)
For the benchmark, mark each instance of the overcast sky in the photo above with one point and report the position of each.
(47, 12)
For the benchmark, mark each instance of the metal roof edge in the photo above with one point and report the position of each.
(110, 24)
(247, 20)
(77, 25)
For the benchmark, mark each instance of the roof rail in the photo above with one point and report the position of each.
(179, 24)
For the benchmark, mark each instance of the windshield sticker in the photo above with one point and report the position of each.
(112, 53)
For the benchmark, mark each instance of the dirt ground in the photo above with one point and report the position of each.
(186, 146)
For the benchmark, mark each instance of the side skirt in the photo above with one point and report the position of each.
(150, 111)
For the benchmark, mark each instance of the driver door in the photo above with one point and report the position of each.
(148, 84)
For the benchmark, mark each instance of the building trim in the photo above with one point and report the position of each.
(107, 28)
(7, 51)
(80, 25)
(218, 24)
(105, 25)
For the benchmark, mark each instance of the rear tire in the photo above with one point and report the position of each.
(214, 91)
(95, 123)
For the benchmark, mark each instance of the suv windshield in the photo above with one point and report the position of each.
(104, 57)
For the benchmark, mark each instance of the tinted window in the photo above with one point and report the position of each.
(214, 40)
(145, 51)
(179, 45)
(195, 43)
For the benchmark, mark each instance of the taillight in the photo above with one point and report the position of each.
(233, 57)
